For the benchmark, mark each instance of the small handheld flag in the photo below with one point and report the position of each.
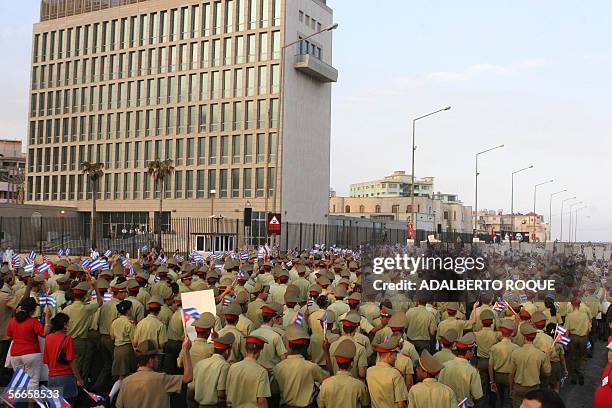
(68, 251)
(108, 253)
(191, 313)
(299, 318)
(60, 252)
(463, 404)
(562, 339)
(500, 306)
(227, 300)
(94, 397)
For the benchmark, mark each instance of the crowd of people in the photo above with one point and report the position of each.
(298, 330)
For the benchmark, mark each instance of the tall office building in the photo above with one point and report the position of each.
(201, 82)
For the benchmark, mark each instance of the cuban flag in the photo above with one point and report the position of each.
(131, 271)
(522, 297)
(46, 258)
(31, 256)
(216, 256)
(500, 306)
(51, 301)
(162, 259)
(44, 268)
(298, 318)
(16, 261)
(310, 302)
(196, 257)
(227, 300)
(52, 402)
(289, 265)
(244, 256)
(560, 330)
(86, 262)
(261, 253)
(562, 339)
(178, 258)
(94, 254)
(94, 397)
(18, 382)
(241, 275)
(42, 299)
(29, 268)
(108, 253)
(463, 404)
(191, 313)
(107, 297)
(156, 278)
(98, 265)
(125, 263)
(60, 252)
(68, 251)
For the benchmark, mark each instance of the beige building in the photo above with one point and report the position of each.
(397, 184)
(12, 169)
(443, 212)
(489, 220)
(196, 81)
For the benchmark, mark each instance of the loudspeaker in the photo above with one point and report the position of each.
(439, 228)
(248, 213)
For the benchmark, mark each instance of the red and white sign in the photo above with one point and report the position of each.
(274, 224)
(410, 230)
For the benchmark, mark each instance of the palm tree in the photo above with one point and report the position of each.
(160, 170)
(94, 172)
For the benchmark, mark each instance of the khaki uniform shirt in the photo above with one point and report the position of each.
(543, 342)
(150, 328)
(430, 393)
(313, 321)
(444, 356)
(81, 316)
(148, 388)
(408, 349)
(303, 285)
(315, 347)
(452, 323)
(122, 330)
(463, 379)
(343, 391)
(254, 312)
(165, 314)
(478, 324)
(359, 361)
(158, 287)
(365, 342)
(421, 323)
(245, 325)
(386, 386)
(60, 299)
(296, 377)
(379, 336)
(198, 284)
(339, 307)
(108, 313)
(183, 288)
(247, 381)
(370, 311)
(485, 339)
(138, 309)
(8, 302)
(175, 326)
(200, 350)
(270, 355)
(143, 296)
(578, 323)
(528, 364)
(238, 346)
(277, 293)
(209, 377)
(500, 356)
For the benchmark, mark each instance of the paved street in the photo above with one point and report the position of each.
(576, 396)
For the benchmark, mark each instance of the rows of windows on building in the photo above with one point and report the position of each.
(396, 209)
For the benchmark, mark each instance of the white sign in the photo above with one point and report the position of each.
(202, 301)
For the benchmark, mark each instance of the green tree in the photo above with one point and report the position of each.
(160, 170)
(94, 172)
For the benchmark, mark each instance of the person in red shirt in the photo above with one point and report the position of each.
(59, 356)
(603, 395)
(24, 330)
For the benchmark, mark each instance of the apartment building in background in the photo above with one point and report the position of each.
(527, 224)
(397, 184)
(200, 82)
(12, 169)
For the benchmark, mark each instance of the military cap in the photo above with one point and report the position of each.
(352, 318)
(82, 287)
(539, 317)
(233, 309)
(212, 273)
(156, 299)
(242, 297)
(315, 288)
(105, 272)
(300, 269)
(75, 267)
(186, 275)
(166, 292)
(527, 330)
(102, 284)
(148, 348)
(340, 292)
(63, 279)
(452, 306)
(202, 270)
(487, 314)
(254, 339)
(132, 284)
(224, 342)
(117, 287)
(226, 281)
(206, 321)
(386, 312)
(354, 297)
(142, 275)
(323, 280)
(451, 335)
(508, 324)
(39, 278)
(329, 316)
(429, 364)
(345, 351)
(398, 321)
(272, 308)
(468, 340)
(187, 267)
(291, 297)
(62, 263)
(296, 335)
(282, 273)
(524, 313)
(247, 268)
(162, 269)
(258, 287)
(391, 345)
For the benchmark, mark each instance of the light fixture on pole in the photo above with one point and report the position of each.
(512, 196)
(476, 189)
(550, 212)
(570, 223)
(562, 204)
(577, 210)
(413, 220)
(535, 193)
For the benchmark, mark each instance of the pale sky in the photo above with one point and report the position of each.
(531, 75)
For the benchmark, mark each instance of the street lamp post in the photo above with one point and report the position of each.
(413, 216)
(476, 189)
(550, 212)
(512, 196)
(535, 193)
(562, 204)
(576, 222)
(570, 224)
(279, 141)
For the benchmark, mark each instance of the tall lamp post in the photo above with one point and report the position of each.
(413, 216)
(512, 196)
(535, 193)
(279, 141)
(562, 204)
(550, 212)
(577, 210)
(476, 189)
(570, 223)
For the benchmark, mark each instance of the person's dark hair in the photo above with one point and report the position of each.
(298, 348)
(322, 301)
(26, 308)
(231, 320)
(142, 359)
(59, 322)
(344, 365)
(548, 398)
(349, 329)
(550, 304)
(124, 307)
(463, 351)
(121, 279)
(252, 348)
(267, 317)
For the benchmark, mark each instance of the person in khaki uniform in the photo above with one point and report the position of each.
(147, 387)
(429, 392)
(231, 314)
(528, 365)
(385, 315)
(350, 323)
(245, 325)
(459, 324)
(295, 375)
(138, 309)
(315, 346)
(578, 325)
(447, 341)
(210, 375)
(422, 324)
(260, 293)
(122, 333)
(200, 348)
(485, 339)
(81, 316)
(500, 365)
(175, 333)
(459, 375)
(274, 349)
(385, 384)
(151, 328)
(403, 362)
(342, 390)
(247, 384)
